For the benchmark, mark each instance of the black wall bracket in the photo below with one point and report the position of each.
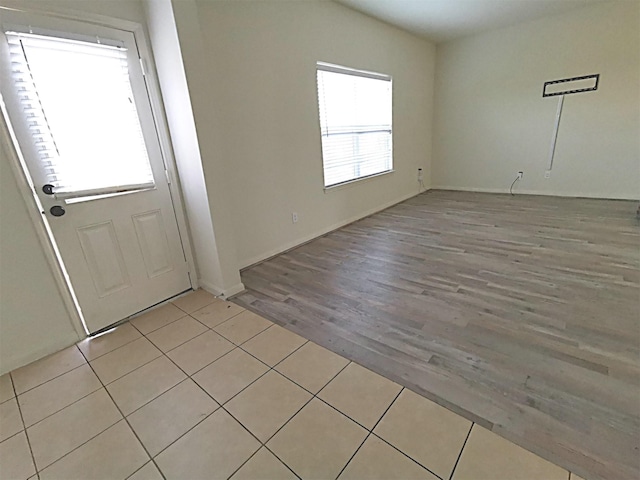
(585, 83)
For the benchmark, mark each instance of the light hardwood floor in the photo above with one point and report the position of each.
(519, 313)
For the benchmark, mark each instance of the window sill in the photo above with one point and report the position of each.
(339, 186)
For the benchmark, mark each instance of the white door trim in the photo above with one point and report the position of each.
(160, 122)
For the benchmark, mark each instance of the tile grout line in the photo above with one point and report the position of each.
(68, 405)
(188, 377)
(11, 436)
(186, 341)
(122, 376)
(246, 461)
(342, 413)
(406, 455)
(186, 314)
(76, 448)
(26, 434)
(103, 385)
(209, 329)
(235, 345)
(269, 368)
(189, 430)
(278, 362)
(186, 294)
(181, 436)
(125, 322)
(161, 304)
(159, 395)
(128, 424)
(162, 353)
(208, 364)
(225, 320)
(453, 471)
(245, 341)
(202, 368)
(150, 461)
(369, 432)
(279, 428)
(155, 329)
(222, 405)
(280, 460)
(264, 444)
(307, 390)
(52, 378)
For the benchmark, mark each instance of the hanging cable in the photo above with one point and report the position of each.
(514, 182)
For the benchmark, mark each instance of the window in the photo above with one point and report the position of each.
(355, 123)
(79, 106)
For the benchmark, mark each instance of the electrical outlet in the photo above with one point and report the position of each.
(294, 217)
(520, 175)
(547, 174)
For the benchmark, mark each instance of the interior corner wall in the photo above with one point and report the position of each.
(260, 59)
(491, 120)
(207, 118)
(168, 59)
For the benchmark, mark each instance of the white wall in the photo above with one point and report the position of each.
(491, 119)
(130, 10)
(260, 60)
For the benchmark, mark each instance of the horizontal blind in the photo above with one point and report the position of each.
(355, 123)
(79, 107)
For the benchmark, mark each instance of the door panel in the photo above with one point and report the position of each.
(104, 258)
(118, 237)
(152, 240)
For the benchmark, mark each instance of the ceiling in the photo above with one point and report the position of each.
(443, 20)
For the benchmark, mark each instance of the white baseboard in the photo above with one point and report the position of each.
(545, 193)
(221, 292)
(307, 238)
(25, 359)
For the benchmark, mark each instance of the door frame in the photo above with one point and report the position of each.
(27, 189)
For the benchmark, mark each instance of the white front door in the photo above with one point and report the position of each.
(77, 100)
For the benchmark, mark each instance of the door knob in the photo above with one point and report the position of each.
(48, 189)
(57, 211)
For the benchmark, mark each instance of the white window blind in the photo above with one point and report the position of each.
(81, 113)
(355, 123)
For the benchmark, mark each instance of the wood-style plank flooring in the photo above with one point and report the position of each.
(520, 313)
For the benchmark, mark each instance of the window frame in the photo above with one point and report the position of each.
(109, 37)
(333, 68)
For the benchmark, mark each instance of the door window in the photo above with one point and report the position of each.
(81, 113)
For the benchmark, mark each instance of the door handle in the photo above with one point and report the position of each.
(57, 211)
(48, 189)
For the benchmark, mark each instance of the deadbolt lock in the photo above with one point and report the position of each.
(57, 211)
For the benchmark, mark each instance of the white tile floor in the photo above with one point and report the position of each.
(201, 388)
